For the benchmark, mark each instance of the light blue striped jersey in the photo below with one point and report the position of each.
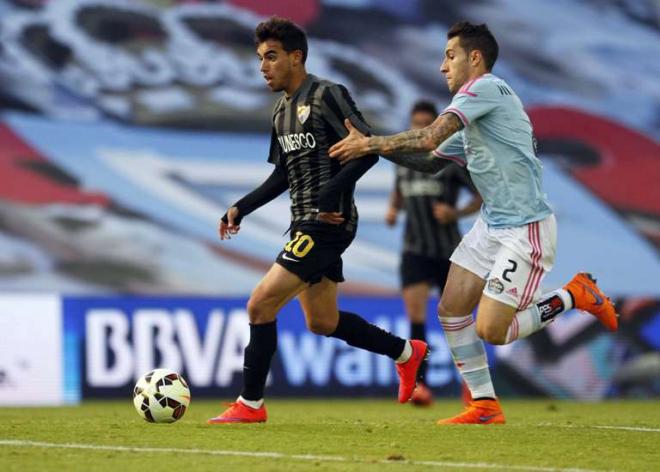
(498, 146)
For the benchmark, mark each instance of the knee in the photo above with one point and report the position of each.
(445, 310)
(491, 334)
(321, 326)
(259, 310)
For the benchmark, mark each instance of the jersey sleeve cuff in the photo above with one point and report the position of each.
(459, 113)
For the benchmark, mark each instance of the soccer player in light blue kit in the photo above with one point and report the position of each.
(501, 261)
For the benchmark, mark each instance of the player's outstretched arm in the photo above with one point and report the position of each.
(273, 186)
(424, 161)
(412, 141)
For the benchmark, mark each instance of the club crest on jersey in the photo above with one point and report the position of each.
(303, 113)
(495, 286)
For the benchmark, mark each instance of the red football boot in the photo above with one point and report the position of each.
(408, 370)
(239, 412)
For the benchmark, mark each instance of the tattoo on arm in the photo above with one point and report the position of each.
(417, 140)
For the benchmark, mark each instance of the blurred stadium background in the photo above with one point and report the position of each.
(128, 127)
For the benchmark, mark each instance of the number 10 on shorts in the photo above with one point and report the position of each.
(300, 245)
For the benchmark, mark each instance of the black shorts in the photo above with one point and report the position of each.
(416, 269)
(315, 250)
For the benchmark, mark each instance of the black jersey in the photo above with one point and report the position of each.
(424, 234)
(305, 126)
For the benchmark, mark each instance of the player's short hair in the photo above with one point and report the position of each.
(476, 37)
(424, 106)
(285, 31)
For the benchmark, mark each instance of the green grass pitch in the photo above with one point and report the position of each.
(333, 435)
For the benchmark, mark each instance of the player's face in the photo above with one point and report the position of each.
(275, 64)
(456, 66)
(421, 119)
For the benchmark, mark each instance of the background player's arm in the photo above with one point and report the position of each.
(473, 205)
(445, 213)
(396, 203)
(271, 188)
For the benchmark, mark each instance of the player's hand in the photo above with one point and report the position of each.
(334, 218)
(351, 147)
(390, 216)
(226, 230)
(444, 213)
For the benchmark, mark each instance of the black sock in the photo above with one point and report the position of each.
(358, 332)
(256, 360)
(418, 331)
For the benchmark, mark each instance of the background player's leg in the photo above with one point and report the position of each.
(273, 291)
(459, 298)
(319, 303)
(415, 299)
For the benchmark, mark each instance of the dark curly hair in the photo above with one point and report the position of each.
(424, 106)
(285, 31)
(476, 37)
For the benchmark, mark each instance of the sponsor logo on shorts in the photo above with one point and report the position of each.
(495, 286)
(513, 291)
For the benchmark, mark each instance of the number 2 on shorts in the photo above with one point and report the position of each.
(514, 266)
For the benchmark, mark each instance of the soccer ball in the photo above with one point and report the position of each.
(161, 396)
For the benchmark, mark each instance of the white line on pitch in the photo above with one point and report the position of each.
(643, 429)
(629, 428)
(279, 455)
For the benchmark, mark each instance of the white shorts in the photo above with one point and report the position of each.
(513, 261)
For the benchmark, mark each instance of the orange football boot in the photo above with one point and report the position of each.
(588, 297)
(240, 413)
(478, 412)
(421, 396)
(408, 370)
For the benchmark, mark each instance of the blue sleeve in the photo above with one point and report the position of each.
(452, 149)
(474, 100)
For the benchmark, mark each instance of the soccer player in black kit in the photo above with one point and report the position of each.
(431, 234)
(307, 120)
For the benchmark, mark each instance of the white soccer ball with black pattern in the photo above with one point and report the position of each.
(161, 396)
